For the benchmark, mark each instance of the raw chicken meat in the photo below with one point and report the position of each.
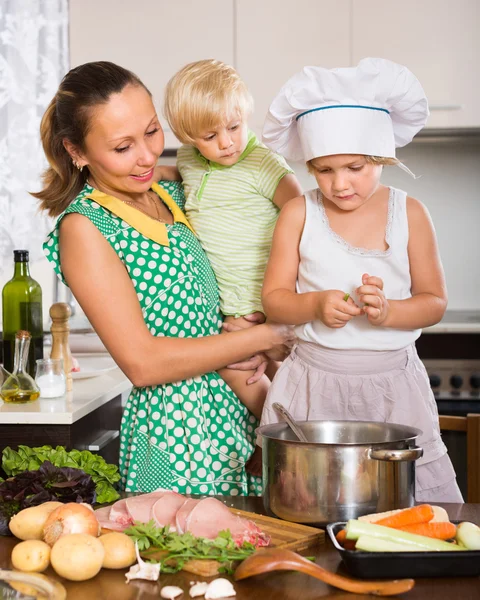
(210, 516)
(203, 518)
(165, 509)
(183, 512)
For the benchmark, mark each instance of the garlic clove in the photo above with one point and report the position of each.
(198, 589)
(170, 592)
(219, 588)
(143, 570)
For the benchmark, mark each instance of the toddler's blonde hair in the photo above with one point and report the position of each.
(204, 95)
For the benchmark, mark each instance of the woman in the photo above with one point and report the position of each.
(133, 263)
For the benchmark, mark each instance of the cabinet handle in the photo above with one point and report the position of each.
(446, 107)
(103, 440)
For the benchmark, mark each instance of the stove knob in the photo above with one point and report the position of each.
(456, 381)
(475, 381)
(435, 380)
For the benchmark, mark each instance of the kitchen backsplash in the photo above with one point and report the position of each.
(448, 183)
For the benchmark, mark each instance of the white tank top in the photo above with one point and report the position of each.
(328, 262)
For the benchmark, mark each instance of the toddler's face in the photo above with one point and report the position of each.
(347, 180)
(225, 143)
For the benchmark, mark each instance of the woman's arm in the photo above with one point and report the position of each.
(429, 293)
(102, 286)
(287, 189)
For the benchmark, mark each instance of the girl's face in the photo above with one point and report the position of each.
(347, 180)
(224, 144)
(123, 143)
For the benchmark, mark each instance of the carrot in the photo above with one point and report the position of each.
(341, 538)
(440, 531)
(410, 516)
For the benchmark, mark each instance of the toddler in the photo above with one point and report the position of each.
(234, 188)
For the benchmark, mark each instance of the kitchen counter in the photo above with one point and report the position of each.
(87, 396)
(457, 321)
(283, 585)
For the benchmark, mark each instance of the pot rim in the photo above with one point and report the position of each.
(413, 430)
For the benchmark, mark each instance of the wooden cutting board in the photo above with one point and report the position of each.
(283, 534)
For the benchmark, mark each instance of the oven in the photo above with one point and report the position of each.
(450, 352)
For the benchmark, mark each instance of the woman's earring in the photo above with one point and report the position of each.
(79, 167)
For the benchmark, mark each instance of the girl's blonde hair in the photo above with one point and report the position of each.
(68, 117)
(372, 160)
(204, 95)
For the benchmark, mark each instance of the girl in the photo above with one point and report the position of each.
(234, 188)
(125, 248)
(354, 264)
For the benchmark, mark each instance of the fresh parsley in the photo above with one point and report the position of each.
(182, 547)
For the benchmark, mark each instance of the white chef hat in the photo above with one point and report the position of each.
(370, 109)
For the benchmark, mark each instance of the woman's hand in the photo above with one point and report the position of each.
(336, 308)
(282, 340)
(371, 294)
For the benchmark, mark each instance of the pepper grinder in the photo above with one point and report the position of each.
(60, 314)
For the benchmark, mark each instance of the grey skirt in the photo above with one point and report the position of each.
(318, 383)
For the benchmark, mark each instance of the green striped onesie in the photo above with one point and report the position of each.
(233, 215)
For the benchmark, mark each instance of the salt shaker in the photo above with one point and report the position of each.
(60, 313)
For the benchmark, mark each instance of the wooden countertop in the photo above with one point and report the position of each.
(110, 585)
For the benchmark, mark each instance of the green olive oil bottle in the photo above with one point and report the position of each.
(22, 310)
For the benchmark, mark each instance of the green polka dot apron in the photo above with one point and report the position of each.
(192, 436)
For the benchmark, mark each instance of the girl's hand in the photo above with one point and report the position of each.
(371, 293)
(335, 309)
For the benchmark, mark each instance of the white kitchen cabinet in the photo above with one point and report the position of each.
(152, 38)
(275, 39)
(437, 40)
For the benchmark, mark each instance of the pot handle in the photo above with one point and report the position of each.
(409, 454)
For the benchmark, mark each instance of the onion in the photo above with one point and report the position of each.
(70, 518)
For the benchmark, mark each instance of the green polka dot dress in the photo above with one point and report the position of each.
(192, 436)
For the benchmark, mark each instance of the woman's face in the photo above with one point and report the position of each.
(124, 142)
(347, 180)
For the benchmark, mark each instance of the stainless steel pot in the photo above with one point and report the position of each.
(348, 469)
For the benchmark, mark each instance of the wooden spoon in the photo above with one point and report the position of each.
(273, 559)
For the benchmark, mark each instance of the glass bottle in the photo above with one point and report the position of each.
(22, 310)
(20, 386)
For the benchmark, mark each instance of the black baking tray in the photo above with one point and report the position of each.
(395, 565)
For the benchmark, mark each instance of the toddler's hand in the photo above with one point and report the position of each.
(371, 293)
(335, 308)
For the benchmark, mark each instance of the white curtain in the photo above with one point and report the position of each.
(33, 60)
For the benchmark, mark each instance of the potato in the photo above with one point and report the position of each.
(31, 556)
(119, 550)
(28, 523)
(77, 556)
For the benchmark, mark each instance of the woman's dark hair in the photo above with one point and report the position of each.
(68, 117)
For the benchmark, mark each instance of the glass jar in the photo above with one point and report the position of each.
(50, 378)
